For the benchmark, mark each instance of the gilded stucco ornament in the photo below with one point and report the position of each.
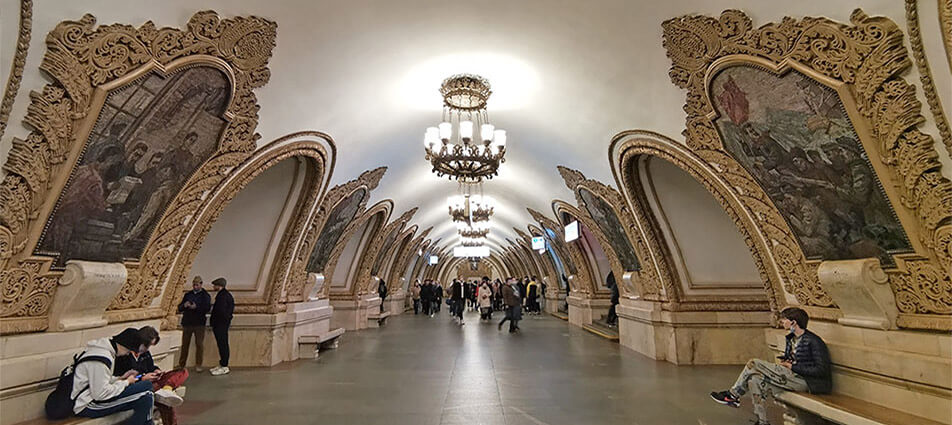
(863, 61)
(402, 261)
(568, 251)
(925, 72)
(654, 279)
(945, 25)
(314, 147)
(84, 62)
(372, 251)
(19, 62)
(377, 216)
(368, 180)
(392, 256)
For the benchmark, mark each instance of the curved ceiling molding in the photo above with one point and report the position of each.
(375, 218)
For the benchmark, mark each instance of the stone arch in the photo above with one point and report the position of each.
(365, 228)
(338, 208)
(633, 146)
(376, 249)
(639, 269)
(389, 269)
(317, 149)
(403, 268)
(578, 267)
(587, 283)
(864, 71)
(63, 117)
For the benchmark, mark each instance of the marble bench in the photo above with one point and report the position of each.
(376, 320)
(309, 346)
(810, 409)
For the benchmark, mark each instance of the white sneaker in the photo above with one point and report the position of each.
(168, 398)
(180, 391)
(214, 369)
(221, 371)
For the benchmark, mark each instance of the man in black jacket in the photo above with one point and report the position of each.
(382, 293)
(222, 312)
(194, 306)
(804, 366)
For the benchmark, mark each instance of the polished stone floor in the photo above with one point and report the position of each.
(419, 370)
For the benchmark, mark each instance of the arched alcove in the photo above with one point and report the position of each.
(706, 248)
(344, 275)
(245, 237)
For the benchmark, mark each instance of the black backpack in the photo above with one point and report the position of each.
(59, 404)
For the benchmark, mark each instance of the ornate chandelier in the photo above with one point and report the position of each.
(471, 241)
(465, 146)
(470, 208)
(474, 232)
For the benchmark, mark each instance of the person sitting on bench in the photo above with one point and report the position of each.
(167, 386)
(97, 393)
(804, 366)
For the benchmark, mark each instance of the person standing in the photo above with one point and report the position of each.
(426, 297)
(437, 297)
(510, 295)
(457, 301)
(222, 312)
(382, 293)
(532, 295)
(612, 318)
(194, 306)
(485, 296)
(415, 292)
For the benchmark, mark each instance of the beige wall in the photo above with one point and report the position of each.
(708, 248)
(239, 241)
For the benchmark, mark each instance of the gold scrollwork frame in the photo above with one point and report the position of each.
(85, 62)
(925, 73)
(368, 181)
(318, 150)
(391, 257)
(372, 251)
(862, 61)
(655, 280)
(586, 283)
(399, 269)
(18, 63)
(376, 216)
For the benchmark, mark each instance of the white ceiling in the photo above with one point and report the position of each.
(567, 76)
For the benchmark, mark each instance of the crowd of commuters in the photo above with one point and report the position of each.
(485, 296)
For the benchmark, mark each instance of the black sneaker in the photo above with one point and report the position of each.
(726, 398)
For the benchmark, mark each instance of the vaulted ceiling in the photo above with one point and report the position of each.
(566, 75)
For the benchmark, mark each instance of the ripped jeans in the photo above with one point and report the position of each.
(761, 378)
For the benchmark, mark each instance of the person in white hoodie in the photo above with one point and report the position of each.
(98, 393)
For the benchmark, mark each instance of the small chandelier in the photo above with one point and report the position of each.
(465, 146)
(470, 208)
(471, 241)
(474, 232)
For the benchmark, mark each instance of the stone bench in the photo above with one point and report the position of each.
(376, 320)
(309, 346)
(811, 409)
(117, 418)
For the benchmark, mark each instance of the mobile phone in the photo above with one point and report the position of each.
(139, 376)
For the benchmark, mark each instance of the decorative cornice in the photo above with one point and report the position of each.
(19, 62)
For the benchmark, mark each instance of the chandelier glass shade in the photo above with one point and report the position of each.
(474, 232)
(465, 146)
(471, 241)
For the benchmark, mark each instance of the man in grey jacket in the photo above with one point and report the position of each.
(98, 393)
